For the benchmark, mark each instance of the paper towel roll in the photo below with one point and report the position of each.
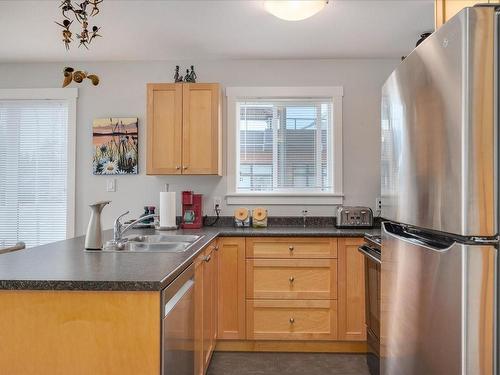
(167, 209)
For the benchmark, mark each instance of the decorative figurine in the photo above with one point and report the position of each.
(190, 75)
(66, 33)
(177, 77)
(193, 75)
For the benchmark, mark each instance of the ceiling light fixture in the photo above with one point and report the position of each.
(294, 10)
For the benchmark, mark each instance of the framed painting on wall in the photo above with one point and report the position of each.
(116, 144)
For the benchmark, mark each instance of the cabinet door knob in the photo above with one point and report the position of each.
(292, 320)
(291, 279)
(207, 258)
(185, 167)
(177, 167)
(216, 248)
(290, 248)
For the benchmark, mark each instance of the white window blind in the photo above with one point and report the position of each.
(33, 171)
(285, 145)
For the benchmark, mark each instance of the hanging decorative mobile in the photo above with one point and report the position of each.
(81, 13)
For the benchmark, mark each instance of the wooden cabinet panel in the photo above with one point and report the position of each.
(446, 9)
(231, 288)
(208, 305)
(164, 129)
(79, 332)
(292, 320)
(205, 307)
(291, 247)
(292, 278)
(201, 129)
(351, 290)
(199, 360)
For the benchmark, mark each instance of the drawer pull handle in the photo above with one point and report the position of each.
(207, 258)
(290, 248)
(291, 279)
(292, 320)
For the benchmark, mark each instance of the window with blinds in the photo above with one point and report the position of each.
(33, 171)
(285, 145)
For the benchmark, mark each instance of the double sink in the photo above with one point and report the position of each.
(159, 243)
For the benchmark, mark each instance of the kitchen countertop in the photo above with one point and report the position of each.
(64, 265)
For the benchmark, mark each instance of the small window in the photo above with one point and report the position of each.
(284, 145)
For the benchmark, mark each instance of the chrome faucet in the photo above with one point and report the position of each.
(304, 217)
(119, 230)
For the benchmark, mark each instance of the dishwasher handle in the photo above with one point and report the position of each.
(177, 289)
(172, 302)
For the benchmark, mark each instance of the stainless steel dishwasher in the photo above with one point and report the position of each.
(177, 357)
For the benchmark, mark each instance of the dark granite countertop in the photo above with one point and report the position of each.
(64, 265)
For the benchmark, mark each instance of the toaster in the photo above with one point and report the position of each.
(350, 216)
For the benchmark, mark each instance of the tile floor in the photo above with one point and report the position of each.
(229, 363)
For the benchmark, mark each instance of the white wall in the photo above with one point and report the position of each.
(122, 93)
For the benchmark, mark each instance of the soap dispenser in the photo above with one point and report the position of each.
(93, 239)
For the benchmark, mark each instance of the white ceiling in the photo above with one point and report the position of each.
(231, 29)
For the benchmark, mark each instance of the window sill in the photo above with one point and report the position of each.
(301, 199)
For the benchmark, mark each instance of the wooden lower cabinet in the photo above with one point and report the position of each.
(303, 288)
(79, 332)
(292, 319)
(351, 290)
(206, 270)
(231, 289)
(291, 247)
(291, 278)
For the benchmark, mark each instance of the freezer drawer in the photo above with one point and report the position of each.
(437, 305)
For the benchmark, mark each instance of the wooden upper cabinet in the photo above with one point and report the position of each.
(184, 129)
(201, 129)
(351, 290)
(164, 138)
(446, 9)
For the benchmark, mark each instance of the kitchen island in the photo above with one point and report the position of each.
(100, 312)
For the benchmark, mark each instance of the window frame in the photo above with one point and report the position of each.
(235, 94)
(70, 95)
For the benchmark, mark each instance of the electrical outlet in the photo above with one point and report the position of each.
(378, 204)
(217, 202)
(111, 185)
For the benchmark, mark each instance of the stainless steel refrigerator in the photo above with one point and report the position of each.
(440, 179)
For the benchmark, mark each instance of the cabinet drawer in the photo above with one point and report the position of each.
(291, 279)
(292, 320)
(291, 247)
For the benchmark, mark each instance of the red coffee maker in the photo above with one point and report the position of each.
(192, 213)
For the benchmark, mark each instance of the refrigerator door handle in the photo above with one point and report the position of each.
(401, 232)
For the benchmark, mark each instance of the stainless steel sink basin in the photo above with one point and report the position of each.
(162, 238)
(164, 247)
(159, 243)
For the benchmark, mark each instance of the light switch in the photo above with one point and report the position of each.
(111, 185)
